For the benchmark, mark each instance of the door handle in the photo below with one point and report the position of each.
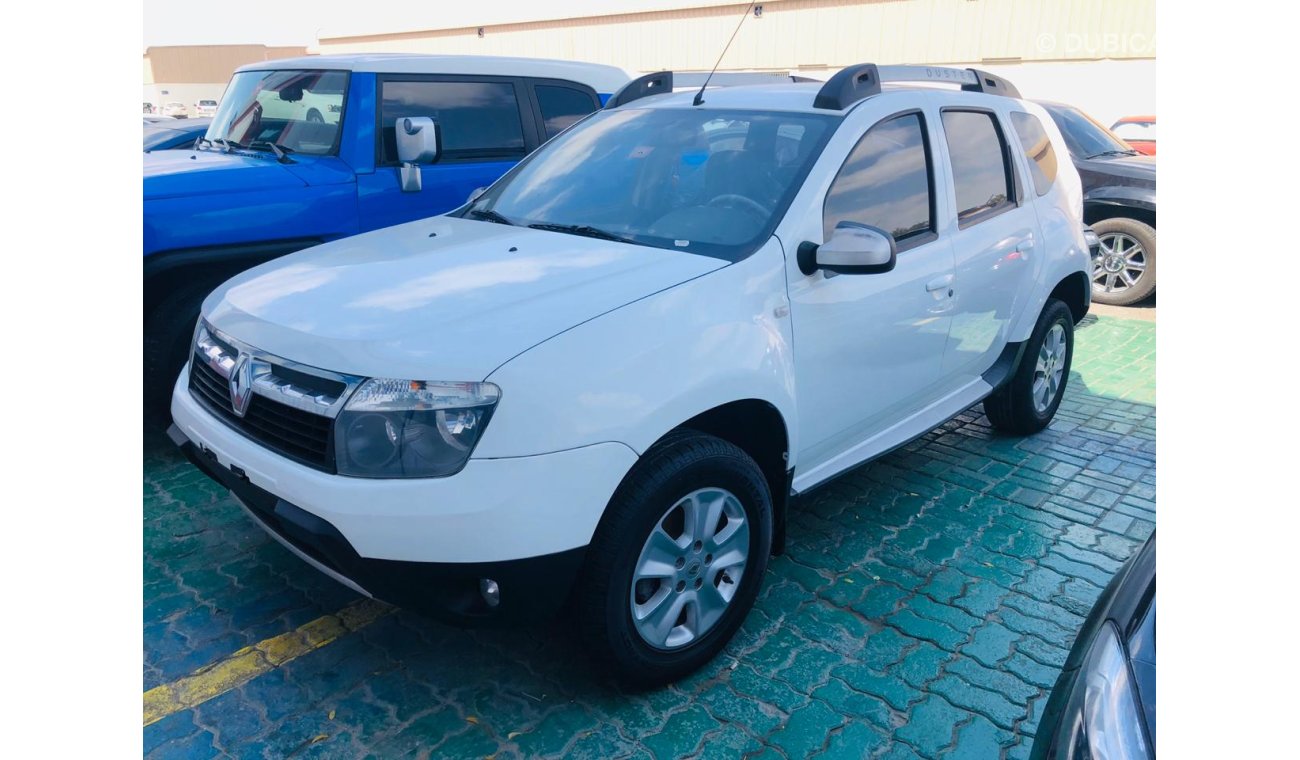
(1025, 246)
(939, 283)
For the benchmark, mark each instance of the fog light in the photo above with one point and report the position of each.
(490, 590)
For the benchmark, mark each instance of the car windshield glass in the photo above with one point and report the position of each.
(297, 110)
(1083, 136)
(707, 181)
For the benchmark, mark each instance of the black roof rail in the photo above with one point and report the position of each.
(991, 83)
(848, 86)
(859, 82)
(642, 87)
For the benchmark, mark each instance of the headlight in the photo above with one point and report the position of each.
(1102, 720)
(411, 428)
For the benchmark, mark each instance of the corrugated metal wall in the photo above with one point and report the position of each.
(206, 63)
(810, 35)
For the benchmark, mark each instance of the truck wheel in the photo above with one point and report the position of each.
(1125, 272)
(168, 331)
(677, 561)
(1029, 399)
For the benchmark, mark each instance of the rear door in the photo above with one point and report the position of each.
(996, 240)
(486, 125)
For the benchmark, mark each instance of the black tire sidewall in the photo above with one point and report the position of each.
(1145, 234)
(1055, 312)
(636, 661)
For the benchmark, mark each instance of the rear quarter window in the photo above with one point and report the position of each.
(1037, 148)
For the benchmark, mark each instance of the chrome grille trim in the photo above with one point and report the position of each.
(266, 382)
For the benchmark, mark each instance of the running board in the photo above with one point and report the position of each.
(900, 434)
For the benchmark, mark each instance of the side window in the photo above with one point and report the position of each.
(1038, 149)
(885, 182)
(477, 119)
(980, 172)
(562, 106)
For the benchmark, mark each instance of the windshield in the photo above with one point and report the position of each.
(1083, 136)
(707, 181)
(297, 110)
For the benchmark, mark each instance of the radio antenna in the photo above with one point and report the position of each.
(699, 96)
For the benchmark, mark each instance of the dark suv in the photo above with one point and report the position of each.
(1119, 202)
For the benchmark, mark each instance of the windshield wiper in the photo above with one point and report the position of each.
(229, 145)
(200, 140)
(584, 230)
(1129, 152)
(281, 152)
(488, 215)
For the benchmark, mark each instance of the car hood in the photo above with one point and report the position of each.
(190, 172)
(1128, 167)
(439, 299)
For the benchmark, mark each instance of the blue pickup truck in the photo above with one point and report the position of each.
(313, 149)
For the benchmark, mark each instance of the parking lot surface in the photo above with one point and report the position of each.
(923, 609)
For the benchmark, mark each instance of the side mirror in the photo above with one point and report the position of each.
(417, 143)
(853, 249)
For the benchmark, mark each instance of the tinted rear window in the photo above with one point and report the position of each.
(979, 166)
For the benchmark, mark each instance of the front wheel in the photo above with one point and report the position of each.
(1028, 401)
(1124, 272)
(677, 560)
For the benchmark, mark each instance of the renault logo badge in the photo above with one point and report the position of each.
(241, 385)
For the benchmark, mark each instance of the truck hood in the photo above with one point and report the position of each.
(172, 173)
(439, 299)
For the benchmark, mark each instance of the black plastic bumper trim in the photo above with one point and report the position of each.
(531, 589)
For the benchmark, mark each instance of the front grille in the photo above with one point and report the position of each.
(299, 435)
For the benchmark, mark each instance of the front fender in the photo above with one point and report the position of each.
(1121, 195)
(634, 374)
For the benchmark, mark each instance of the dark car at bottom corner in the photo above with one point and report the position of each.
(1103, 706)
(1119, 202)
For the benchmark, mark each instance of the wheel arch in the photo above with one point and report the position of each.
(1096, 211)
(1076, 292)
(759, 429)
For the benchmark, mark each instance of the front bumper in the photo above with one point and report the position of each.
(523, 522)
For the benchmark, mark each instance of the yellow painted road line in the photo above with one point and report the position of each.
(250, 662)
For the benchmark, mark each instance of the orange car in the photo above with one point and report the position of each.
(1138, 131)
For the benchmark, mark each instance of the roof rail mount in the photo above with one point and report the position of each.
(642, 87)
(855, 83)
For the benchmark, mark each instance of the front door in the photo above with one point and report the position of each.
(869, 348)
(486, 125)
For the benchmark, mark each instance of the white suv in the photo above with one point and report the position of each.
(604, 379)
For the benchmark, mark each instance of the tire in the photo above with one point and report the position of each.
(1013, 408)
(651, 499)
(168, 331)
(1137, 243)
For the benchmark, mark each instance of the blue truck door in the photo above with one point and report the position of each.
(487, 124)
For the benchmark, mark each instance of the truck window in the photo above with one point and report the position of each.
(477, 119)
(1038, 149)
(561, 106)
(885, 182)
(980, 172)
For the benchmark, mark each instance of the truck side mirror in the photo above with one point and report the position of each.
(853, 249)
(417, 143)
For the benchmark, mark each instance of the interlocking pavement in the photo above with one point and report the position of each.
(923, 609)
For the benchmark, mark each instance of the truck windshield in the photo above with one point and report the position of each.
(708, 181)
(293, 109)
